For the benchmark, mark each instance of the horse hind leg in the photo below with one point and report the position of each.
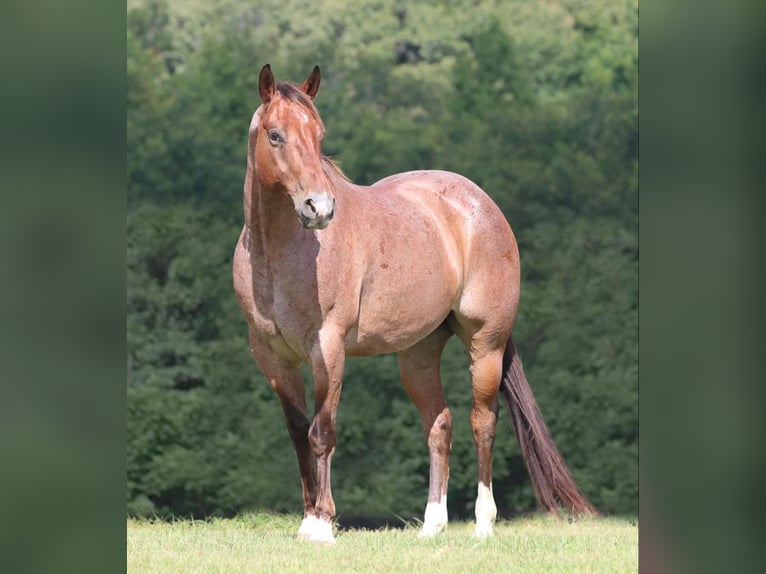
(420, 371)
(485, 344)
(486, 370)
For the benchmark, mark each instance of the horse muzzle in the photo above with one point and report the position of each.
(316, 211)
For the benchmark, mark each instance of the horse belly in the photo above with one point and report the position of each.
(398, 308)
(386, 338)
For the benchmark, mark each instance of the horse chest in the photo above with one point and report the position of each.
(275, 306)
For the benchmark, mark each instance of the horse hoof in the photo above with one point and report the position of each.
(435, 519)
(483, 531)
(330, 542)
(431, 531)
(326, 540)
(316, 530)
(307, 527)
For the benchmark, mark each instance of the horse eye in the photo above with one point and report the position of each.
(275, 137)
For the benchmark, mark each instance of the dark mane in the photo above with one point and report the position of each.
(291, 92)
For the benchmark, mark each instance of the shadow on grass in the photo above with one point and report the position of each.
(345, 522)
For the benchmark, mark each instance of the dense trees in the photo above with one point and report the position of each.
(536, 102)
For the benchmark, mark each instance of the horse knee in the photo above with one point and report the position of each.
(440, 435)
(322, 437)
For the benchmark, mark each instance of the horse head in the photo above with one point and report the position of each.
(288, 133)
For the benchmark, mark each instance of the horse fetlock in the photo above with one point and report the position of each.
(317, 530)
(435, 519)
(486, 510)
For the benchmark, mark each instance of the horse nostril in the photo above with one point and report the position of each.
(310, 204)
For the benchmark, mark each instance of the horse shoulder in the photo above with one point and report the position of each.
(241, 271)
(255, 312)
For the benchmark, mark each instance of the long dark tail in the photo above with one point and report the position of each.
(551, 480)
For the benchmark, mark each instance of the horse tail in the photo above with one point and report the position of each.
(551, 480)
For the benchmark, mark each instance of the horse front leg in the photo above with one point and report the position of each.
(327, 362)
(287, 381)
(294, 407)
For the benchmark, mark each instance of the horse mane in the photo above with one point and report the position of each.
(332, 169)
(292, 92)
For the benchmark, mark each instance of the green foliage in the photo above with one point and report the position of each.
(535, 102)
(192, 392)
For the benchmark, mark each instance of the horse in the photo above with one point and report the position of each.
(325, 269)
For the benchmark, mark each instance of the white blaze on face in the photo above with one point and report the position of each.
(486, 511)
(435, 520)
(304, 117)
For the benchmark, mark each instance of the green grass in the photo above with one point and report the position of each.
(266, 543)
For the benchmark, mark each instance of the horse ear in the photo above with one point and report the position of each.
(311, 86)
(266, 84)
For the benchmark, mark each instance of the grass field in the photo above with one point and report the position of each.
(266, 543)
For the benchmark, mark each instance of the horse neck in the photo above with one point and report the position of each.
(270, 218)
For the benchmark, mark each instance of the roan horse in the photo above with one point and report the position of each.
(325, 269)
